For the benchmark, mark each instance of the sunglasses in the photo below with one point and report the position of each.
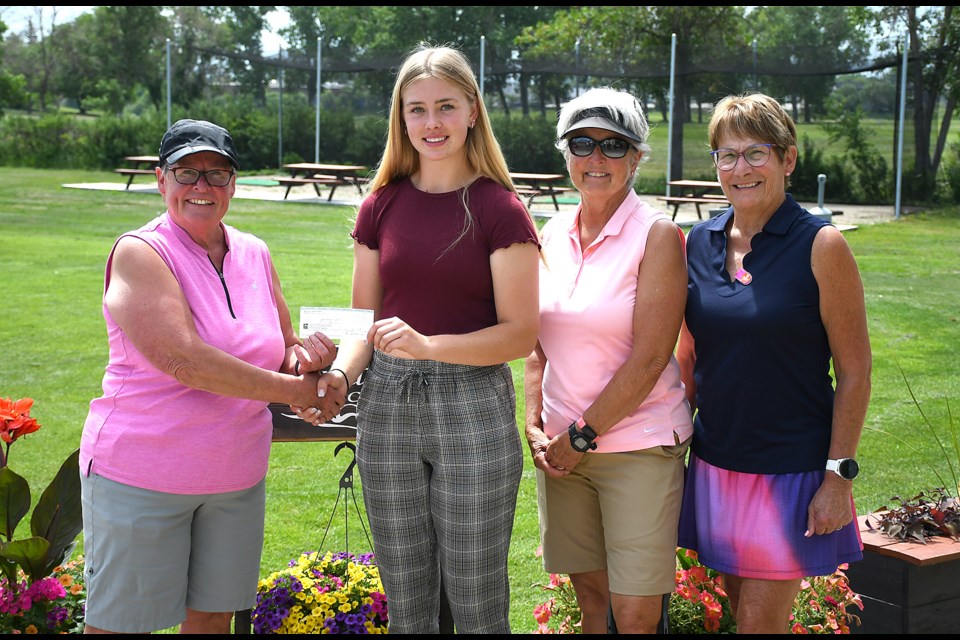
(214, 177)
(583, 146)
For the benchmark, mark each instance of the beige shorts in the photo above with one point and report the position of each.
(616, 512)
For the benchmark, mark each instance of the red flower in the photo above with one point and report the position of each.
(16, 419)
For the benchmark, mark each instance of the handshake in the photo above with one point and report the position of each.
(326, 391)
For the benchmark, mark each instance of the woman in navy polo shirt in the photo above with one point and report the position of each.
(774, 299)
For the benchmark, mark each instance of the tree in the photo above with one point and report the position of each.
(12, 87)
(371, 42)
(244, 25)
(934, 69)
(77, 73)
(129, 45)
(800, 44)
(636, 42)
(37, 61)
(201, 42)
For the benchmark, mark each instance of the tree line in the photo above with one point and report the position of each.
(114, 58)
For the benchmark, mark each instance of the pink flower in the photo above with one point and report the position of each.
(557, 580)
(542, 612)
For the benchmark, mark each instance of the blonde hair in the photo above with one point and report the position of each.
(754, 115)
(400, 159)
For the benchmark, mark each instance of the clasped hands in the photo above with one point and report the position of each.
(556, 457)
(316, 353)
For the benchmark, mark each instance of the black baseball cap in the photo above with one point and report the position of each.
(186, 136)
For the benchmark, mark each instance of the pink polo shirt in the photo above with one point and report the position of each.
(586, 329)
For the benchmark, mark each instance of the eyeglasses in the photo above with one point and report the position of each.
(756, 155)
(214, 177)
(582, 146)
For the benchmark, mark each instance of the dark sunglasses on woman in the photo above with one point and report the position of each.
(583, 146)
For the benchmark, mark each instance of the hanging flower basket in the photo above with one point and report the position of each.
(334, 593)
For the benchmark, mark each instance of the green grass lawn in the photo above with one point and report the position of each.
(54, 241)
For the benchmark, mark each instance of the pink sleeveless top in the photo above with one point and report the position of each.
(149, 430)
(586, 329)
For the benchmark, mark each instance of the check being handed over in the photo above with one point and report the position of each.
(336, 323)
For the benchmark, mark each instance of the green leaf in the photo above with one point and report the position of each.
(14, 501)
(8, 568)
(30, 554)
(58, 516)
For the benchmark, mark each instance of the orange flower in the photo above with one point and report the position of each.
(16, 419)
(10, 409)
(711, 624)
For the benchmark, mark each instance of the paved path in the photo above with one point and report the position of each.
(846, 216)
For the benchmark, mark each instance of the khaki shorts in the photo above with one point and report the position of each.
(149, 555)
(616, 512)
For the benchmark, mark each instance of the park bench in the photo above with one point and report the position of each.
(318, 180)
(548, 190)
(315, 181)
(676, 201)
(132, 173)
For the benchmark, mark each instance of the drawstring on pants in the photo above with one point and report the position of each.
(414, 381)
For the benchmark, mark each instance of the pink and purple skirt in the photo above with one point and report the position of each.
(752, 525)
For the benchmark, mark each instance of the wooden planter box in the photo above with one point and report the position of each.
(906, 587)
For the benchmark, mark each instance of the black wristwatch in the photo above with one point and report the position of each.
(846, 468)
(582, 436)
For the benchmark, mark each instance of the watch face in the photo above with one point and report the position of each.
(580, 443)
(849, 469)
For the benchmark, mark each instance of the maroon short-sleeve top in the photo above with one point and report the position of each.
(434, 282)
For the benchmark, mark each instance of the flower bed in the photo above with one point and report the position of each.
(699, 605)
(335, 593)
(54, 604)
(39, 591)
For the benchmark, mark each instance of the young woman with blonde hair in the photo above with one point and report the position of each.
(446, 255)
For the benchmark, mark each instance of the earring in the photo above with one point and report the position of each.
(404, 130)
(472, 122)
(788, 174)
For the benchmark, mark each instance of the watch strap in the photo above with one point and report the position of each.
(842, 467)
(586, 429)
(579, 440)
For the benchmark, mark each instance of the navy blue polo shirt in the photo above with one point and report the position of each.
(764, 390)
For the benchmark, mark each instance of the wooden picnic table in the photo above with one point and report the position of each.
(533, 185)
(142, 166)
(695, 192)
(317, 174)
